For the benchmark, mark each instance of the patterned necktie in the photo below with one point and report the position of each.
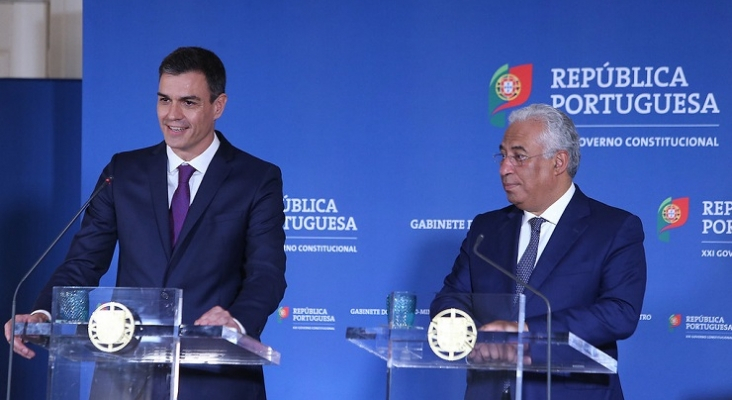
(181, 200)
(528, 259)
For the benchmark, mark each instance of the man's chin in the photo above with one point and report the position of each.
(510, 194)
(513, 198)
(173, 137)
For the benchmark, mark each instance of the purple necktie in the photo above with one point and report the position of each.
(528, 259)
(181, 200)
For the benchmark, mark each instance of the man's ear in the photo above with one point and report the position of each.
(561, 161)
(219, 105)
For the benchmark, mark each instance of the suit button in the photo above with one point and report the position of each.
(164, 295)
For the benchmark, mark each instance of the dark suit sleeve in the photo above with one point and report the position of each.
(263, 286)
(616, 308)
(92, 248)
(456, 286)
(473, 286)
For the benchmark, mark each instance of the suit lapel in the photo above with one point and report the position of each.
(217, 172)
(158, 178)
(569, 229)
(498, 238)
(508, 239)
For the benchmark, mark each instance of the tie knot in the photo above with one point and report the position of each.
(536, 223)
(185, 171)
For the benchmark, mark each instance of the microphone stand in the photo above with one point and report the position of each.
(518, 280)
(107, 181)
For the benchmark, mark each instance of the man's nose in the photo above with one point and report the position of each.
(174, 111)
(505, 167)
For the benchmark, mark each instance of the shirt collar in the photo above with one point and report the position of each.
(555, 211)
(200, 163)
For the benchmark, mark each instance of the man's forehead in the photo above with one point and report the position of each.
(186, 79)
(189, 85)
(522, 135)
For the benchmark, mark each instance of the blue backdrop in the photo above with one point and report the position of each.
(384, 117)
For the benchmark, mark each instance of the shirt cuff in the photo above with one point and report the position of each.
(44, 312)
(241, 327)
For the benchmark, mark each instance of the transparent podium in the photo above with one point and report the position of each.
(128, 343)
(447, 347)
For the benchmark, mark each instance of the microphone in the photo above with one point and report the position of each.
(520, 282)
(107, 181)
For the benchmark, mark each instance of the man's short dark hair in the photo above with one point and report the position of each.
(196, 59)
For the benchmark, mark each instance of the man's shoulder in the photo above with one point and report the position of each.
(600, 208)
(509, 211)
(236, 155)
(141, 152)
(240, 155)
(600, 214)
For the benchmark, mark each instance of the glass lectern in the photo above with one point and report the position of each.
(128, 343)
(452, 341)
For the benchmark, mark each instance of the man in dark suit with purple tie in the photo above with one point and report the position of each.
(588, 258)
(227, 254)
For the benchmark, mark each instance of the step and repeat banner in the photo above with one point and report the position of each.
(384, 117)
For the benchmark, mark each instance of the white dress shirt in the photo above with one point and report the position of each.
(551, 215)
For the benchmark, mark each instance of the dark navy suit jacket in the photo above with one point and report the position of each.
(230, 251)
(592, 270)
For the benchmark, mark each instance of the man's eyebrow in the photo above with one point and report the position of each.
(514, 148)
(184, 98)
(191, 97)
